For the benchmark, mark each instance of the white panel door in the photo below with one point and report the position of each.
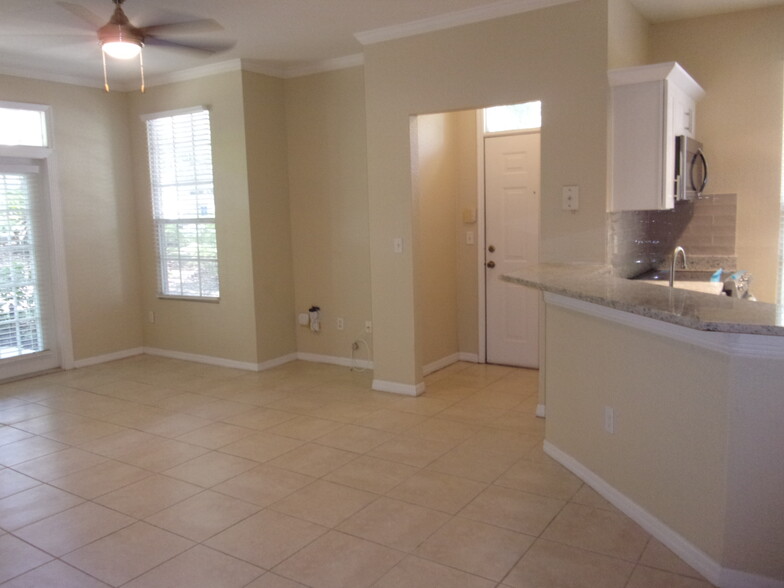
(511, 239)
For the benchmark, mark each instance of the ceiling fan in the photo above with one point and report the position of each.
(120, 39)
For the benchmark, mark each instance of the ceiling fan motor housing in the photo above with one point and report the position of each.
(120, 30)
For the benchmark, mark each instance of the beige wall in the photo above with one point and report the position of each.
(473, 66)
(225, 329)
(670, 419)
(628, 42)
(737, 59)
(325, 121)
(270, 222)
(96, 187)
(467, 261)
(445, 186)
(697, 432)
(435, 192)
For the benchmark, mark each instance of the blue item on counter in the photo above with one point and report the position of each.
(716, 277)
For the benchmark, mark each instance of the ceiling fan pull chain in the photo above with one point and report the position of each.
(105, 77)
(141, 69)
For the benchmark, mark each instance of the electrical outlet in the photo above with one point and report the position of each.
(340, 323)
(368, 327)
(397, 245)
(609, 420)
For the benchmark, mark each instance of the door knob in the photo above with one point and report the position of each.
(491, 264)
(491, 249)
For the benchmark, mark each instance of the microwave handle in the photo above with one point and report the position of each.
(701, 155)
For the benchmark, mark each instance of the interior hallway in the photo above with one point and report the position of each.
(151, 472)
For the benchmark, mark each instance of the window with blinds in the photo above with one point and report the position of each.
(21, 249)
(183, 203)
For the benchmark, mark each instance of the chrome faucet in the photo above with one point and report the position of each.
(675, 253)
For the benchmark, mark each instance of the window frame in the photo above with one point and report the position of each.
(60, 342)
(30, 151)
(161, 223)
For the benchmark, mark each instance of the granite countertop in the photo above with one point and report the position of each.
(695, 310)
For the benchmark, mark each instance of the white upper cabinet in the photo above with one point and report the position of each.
(650, 106)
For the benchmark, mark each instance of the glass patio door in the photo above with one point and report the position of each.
(27, 340)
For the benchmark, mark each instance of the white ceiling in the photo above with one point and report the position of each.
(39, 38)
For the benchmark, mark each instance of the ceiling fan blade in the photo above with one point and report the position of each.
(193, 47)
(85, 14)
(206, 25)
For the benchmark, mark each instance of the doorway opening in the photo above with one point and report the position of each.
(448, 182)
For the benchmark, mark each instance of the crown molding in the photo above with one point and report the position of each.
(194, 73)
(259, 67)
(326, 65)
(455, 19)
(47, 76)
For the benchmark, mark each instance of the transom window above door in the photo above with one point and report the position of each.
(23, 125)
(513, 117)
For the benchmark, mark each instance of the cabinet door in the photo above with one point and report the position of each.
(682, 111)
(639, 120)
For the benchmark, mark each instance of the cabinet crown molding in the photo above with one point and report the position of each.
(670, 70)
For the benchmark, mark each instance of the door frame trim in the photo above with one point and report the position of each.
(59, 273)
(57, 260)
(480, 235)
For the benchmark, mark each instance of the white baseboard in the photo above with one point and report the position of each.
(124, 354)
(397, 388)
(206, 359)
(687, 551)
(440, 364)
(222, 362)
(331, 359)
(272, 363)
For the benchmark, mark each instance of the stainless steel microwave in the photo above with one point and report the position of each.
(691, 168)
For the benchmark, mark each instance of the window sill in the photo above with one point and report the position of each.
(188, 298)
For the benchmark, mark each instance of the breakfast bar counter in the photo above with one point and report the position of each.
(670, 403)
(695, 310)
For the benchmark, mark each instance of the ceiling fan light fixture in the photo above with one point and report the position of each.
(121, 49)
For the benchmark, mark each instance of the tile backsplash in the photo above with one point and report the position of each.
(643, 240)
(711, 230)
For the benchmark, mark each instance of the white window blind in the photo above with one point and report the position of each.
(183, 203)
(23, 274)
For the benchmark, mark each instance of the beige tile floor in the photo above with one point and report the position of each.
(152, 472)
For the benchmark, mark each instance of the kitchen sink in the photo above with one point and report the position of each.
(695, 280)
